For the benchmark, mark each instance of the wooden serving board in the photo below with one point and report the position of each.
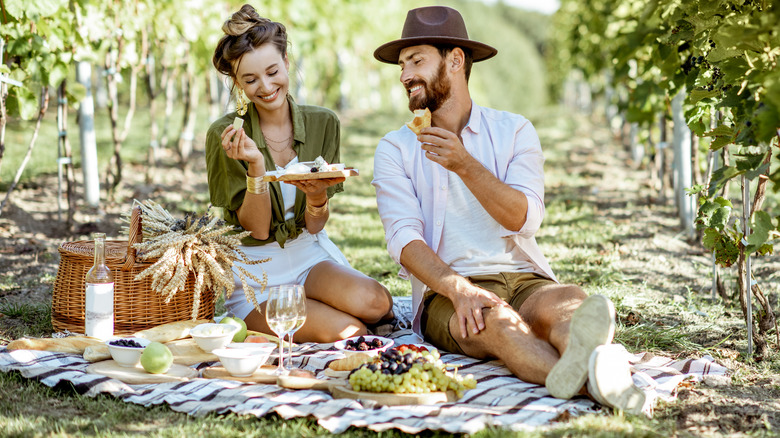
(264, 374)
(138, 376)
(347, 172)
(338, 374)
(391, 399)
(339, 388)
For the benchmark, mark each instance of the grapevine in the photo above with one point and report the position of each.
(722, 56)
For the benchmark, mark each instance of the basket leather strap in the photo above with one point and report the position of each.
(136, 235)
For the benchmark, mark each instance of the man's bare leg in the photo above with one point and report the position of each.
(531, 340)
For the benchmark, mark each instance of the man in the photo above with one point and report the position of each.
(460, 204)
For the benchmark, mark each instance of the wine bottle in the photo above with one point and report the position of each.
(99, 309)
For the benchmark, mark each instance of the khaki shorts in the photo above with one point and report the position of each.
(512, 287)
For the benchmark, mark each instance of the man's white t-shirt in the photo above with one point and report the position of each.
(471, 243)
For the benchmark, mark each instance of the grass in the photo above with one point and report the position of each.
(28, 319)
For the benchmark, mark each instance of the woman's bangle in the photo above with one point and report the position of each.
(313, 211)
(256, 185)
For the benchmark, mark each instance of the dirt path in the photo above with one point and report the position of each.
(672, 271)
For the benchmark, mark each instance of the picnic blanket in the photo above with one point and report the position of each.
(500, 399)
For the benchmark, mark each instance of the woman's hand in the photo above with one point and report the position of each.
(315, 189)
(239, 146)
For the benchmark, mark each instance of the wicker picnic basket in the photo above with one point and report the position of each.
(136, 305)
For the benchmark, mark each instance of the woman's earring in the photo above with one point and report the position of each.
(241, 102)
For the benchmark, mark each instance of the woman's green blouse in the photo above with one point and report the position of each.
(316, 132)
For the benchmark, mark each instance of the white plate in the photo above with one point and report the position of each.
(342, 345)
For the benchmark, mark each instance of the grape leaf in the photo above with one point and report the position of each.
(719, 142)
(720, 130)
(720, 217)
(699, 94)
(761, 225)
(720, 176)
(34, 9)
(723, 202)
(22, 102)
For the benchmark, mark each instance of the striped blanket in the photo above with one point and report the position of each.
(500, 399)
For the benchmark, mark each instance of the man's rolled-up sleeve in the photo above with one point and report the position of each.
(397, 202)
(526, 174)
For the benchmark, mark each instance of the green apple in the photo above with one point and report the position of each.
(156, 358)
(238, 322)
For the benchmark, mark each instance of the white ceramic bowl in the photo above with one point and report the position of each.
(242, 362)
(211, 336)
(342, 345)
(127, 356)
(262, 346)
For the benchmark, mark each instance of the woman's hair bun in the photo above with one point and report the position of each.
(242, 20)
(245, 31)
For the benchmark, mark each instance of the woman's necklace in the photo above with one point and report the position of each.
(285, 143)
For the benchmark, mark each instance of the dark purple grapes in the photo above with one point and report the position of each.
(126, 343)
(362, 344)
(392, 362)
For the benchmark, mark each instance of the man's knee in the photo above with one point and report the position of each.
(502, 324)
(499, 320)
(572, 292)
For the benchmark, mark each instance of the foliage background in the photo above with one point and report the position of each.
(331, 47)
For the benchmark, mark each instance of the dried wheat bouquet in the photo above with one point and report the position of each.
(197, 244)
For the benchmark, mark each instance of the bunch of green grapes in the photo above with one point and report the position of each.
(409, 373)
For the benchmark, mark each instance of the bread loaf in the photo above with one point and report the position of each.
(187, 352)
(72, 344)
(171, 331)
(350, 362)
(96, 353)
(94, 349)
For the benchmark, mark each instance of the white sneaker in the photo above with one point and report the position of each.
(610, 382)
(592, 324)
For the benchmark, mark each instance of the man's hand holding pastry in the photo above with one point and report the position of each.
(444, 147)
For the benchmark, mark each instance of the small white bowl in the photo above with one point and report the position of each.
(211, 336)
(242, 362)
(262, 346)
(342, 345)
(128, 357)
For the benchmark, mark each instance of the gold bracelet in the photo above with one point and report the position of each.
(322, 210)
(256, 185)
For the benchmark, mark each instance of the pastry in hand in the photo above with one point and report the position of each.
(422, 119)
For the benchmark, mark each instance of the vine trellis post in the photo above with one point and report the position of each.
(748, 281)
(682, 164)
(89, 159)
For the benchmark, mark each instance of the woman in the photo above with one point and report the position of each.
(286, 220)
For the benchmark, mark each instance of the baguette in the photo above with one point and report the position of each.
(96, 353)
(162, 333)
(72, 344)
(171, 331)
(422, 119)
(350, 362)
(186, 352)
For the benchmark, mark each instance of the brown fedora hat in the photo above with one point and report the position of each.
(433, 25)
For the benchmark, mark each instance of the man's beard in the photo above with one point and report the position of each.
(436, 91)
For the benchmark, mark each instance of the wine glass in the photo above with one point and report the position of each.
(281, 315)
(299, 297)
